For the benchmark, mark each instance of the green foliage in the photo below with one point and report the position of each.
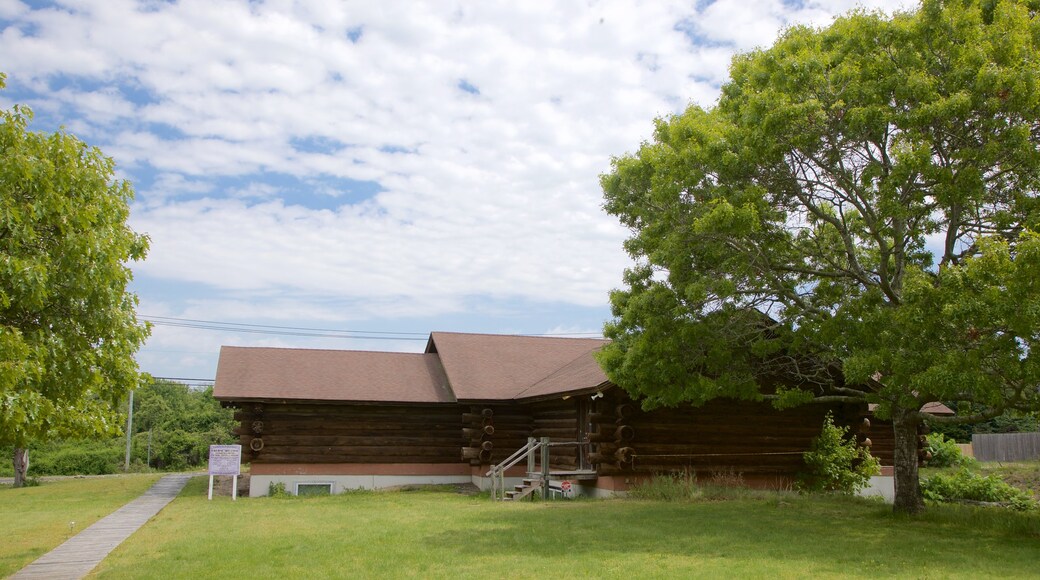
(79, 457)
(835, 463)
(68, 330)
(277, 490)
(945, 452)
(859, 205)
(183, 423)
(968, 485)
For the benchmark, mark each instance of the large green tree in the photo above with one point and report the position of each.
(68, 330)
(854, 219)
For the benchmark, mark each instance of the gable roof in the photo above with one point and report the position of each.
(329, 375)
(497, 366)
(455, 367)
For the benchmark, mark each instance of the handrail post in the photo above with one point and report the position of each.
(530, 456)
(494, 491)
(545, 468)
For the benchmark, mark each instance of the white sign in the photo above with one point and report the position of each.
(225, 459)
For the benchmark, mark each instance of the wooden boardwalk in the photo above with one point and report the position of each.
(82, 552)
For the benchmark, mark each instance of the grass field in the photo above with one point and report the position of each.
(37, 519)
(430, 534)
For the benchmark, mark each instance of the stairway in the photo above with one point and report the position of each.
(519, 492)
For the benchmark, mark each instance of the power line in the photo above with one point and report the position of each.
(182, 379)
(279, 330)
(302, 331)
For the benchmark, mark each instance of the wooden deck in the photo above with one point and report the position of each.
(82, 552)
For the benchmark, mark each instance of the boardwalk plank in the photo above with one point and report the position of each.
(81, 553)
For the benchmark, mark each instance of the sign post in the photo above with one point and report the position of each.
(225, 460)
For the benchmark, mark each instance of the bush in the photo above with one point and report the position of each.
(75, 457)
(278, 490)
(965, 485)
(945, 452)
(835, 463)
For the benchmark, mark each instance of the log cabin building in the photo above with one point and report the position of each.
(338, 419)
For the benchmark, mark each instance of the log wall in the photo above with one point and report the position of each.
(325, 433)
(558, 420)
(722, 437)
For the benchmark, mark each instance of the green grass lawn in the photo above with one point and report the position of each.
(431, 534)
(37, 519)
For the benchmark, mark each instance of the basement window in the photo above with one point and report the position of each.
(307, 489)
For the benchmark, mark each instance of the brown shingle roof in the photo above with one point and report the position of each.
(456, 366)
(329, 375)
(504, 367)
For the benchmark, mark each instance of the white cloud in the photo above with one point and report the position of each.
(493, 193)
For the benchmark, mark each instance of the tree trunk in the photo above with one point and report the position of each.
(21, 466)
(907, 482)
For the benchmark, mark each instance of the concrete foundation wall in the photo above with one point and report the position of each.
(259, 484)
(881, 485)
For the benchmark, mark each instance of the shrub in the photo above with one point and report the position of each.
(278, 490)
(945, 452)
(967, 485)
(77, 457)
(835, 463)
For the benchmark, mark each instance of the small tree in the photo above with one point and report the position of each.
(855, 220)
(835, 463)
(68, 330)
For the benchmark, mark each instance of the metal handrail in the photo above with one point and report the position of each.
(498, 472)
(515, 457)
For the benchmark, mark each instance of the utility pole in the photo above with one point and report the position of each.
(129, 431)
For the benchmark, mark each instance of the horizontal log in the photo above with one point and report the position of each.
(350, 411)
(624, 433)
(558, 434)
(372, 416)
(415, 440)
(605, 448)
(601, 437)
(478, 417)
(477, 432)
(555, 424)
(483, 455)
(360, 449)
(358, 425)
(557, 413)
(598, 418)
(275, 458)
(595, 458)
(624, 410)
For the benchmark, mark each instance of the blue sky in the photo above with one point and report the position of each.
(391, 167)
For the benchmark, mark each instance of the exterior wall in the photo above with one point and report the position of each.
(724, 439)
(297, 433)
(375, 446)
(558, 420)
(512, 425)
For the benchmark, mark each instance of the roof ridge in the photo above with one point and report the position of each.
(600, 339)
(298, 349)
